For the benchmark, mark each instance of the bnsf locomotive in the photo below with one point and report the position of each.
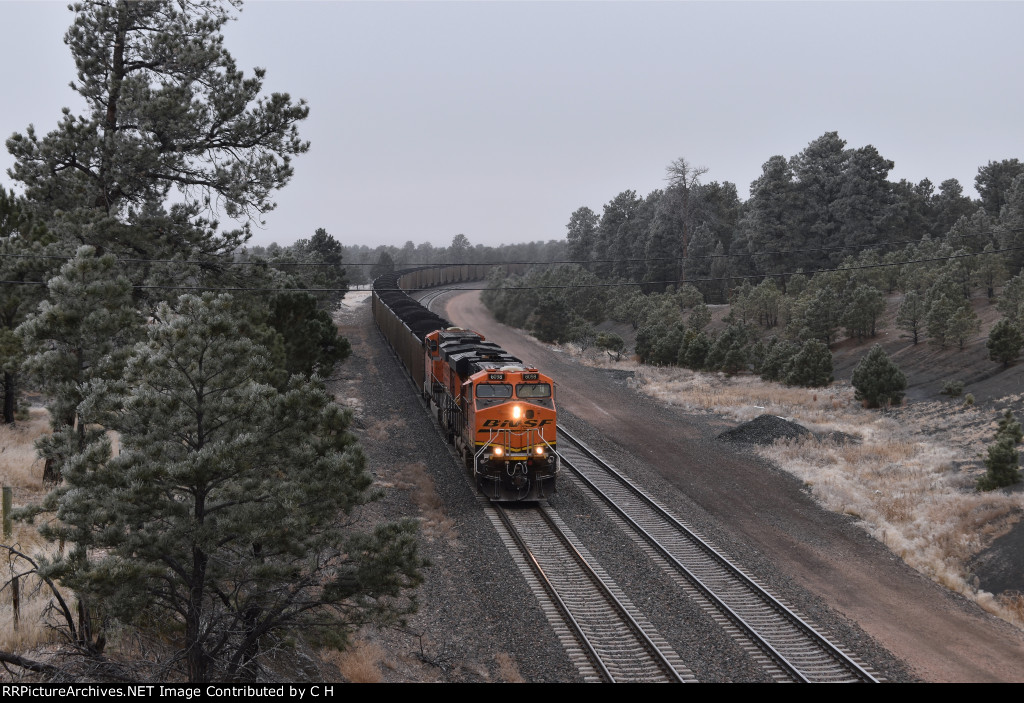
(498, 411)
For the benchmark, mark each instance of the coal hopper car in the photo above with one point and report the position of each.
(498, 411)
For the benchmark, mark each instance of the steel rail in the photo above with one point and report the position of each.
(782, 660)
(549, 587)
(630, 622)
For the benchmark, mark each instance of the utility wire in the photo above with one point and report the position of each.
(729, 278)
(780, 252)
(575, 285)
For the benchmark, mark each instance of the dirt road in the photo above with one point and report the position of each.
(941, 636)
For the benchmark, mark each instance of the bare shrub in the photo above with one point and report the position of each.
(1012, 602)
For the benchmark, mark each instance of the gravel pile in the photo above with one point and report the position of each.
(765, 429)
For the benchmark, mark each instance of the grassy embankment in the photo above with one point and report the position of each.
(909, 480)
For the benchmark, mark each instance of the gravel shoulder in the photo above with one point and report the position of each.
(904, 625)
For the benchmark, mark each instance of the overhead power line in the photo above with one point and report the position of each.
(731, 255)
(737, 277)
(576, 285)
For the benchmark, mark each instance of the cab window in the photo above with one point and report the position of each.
(494, 390)
(533, 390)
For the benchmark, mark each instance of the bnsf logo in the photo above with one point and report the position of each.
(521, 423)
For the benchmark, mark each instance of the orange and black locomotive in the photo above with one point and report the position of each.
(498, 411)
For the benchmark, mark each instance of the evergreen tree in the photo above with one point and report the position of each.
(169, 117)
(76, 337)
(697, 352)
(700, 316)
(1009, 427)
(1003, 459)
(770, 217)
(385, 264)
(949, 205)
(862, 311)
(550, 320)
(612, 344)
(823, 314)
(1004, 342)
(811, 366)
(911, 315)
(308, 336)
(994, 181)
(227, 517)
(581, 232)
(877, 381)
(991, 270)
(21, 240)
(1003, 463)
(778, 360)
(1011, 302)
(940, 314)
(962, 325)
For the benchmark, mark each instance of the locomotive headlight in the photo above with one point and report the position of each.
(540, 451)
(517, 412)
(497, 451)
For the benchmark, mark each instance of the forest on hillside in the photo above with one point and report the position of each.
(824, 239)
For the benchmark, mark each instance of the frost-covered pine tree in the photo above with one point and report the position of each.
(173, 133)
(877, 381)
(77, 336)
(228, 515)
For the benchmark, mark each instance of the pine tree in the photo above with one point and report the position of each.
(778, 360)
(811, 366)
(1003, 459)
(877, 381)
(170, 117)
(611, 343)
(940, 313)
(700, 316)
(22, 239)
(227, 517)
(1004, 342)
(1010, 427)
(962, 325)
(78, 336)
(911, 315)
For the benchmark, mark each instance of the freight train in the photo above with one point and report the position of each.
(498, 411)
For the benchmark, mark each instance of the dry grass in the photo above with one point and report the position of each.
(384, 430)
(21, 469)
(908, 477)
(360, 663)
(433, 520)
(507, 669)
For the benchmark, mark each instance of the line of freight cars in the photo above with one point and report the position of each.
(498, 411)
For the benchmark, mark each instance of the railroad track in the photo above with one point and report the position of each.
(789, 647)
(607, 638)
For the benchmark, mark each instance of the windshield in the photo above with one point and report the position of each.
(533, 390)
(494, 390)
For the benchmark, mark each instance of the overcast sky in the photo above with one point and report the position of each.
(499, 119)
